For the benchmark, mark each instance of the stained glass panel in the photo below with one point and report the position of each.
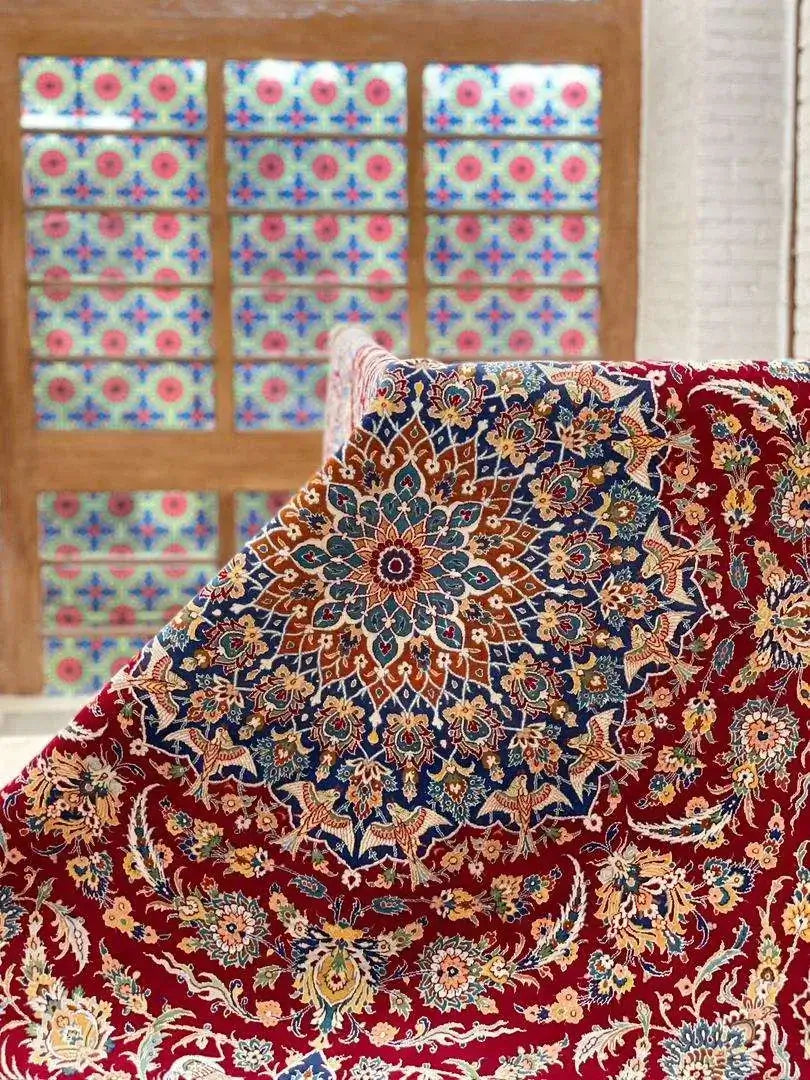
(320, 97)
(514, 322)
(516, 248)
(512, 175)
(296, 323)
(115, 170)
(315, 248)
(278, 396)
(113, 246)
(118, 525)
(83, 664)
(512, 99)
(318, 174)
(253, 509)
(124, 94)
(118, 395)
(119, 321)
(77, 596)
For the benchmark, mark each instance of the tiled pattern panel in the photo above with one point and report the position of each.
(115, 170)
(76, 321)
(513, 174)
(77, 596)
(517, 322)
(148, 395)
(111, 246)
(253, 509)
(512, 99)
(118, 525)
(82, 665)
(320, 98)
(313, 248)
(510, 248)
(316, 174)
(115, 566)
(295, 323)
(518, 215)
(115, 177)
(324, 138)
(117, 93)
(279, 396)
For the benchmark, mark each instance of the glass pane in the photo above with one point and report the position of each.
(115, 170)
(514, 248)
(515, 322)
(512, 175)
(321, 174)
(279, 396)
(512, 99)
(111, 246)
(87, 92)
(312, 248)
(124, 395)
(82, 665)
(119, 321)
(81, 595)
(287, 322)
(322, 97)
(117, 525)
(253, 509)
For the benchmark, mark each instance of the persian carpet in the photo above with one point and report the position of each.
(486, 760)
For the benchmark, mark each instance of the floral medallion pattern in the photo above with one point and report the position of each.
(485, 759)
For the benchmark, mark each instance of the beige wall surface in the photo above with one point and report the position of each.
(716, 191)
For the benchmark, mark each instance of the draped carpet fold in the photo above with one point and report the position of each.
(486, 760)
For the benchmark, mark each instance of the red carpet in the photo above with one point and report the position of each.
(486, 760)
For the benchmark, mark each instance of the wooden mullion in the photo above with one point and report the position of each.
(227, 526)
(417, 207)
(620, 61)
(220, 246)
(20, 645)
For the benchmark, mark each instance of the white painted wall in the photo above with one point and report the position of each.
(716, 177)
(801, 341)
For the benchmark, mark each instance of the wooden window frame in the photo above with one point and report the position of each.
(417, 32)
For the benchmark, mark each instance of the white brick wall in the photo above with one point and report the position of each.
(716, 188)
(801, 336)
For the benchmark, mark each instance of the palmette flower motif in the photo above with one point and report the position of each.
(338, 971)
(764, 734)
(716, 1051)
(73, 1035)
(72, 798)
